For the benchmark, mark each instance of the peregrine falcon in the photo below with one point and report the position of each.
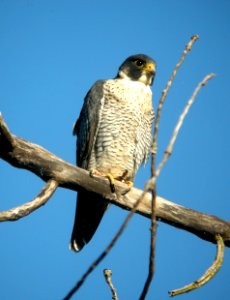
(113, 136)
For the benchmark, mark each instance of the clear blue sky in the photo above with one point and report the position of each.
(51, 53)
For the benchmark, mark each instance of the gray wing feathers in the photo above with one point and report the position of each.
(88, 123)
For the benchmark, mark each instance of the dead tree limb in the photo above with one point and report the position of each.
(24, 154)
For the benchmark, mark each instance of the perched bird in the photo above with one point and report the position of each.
(113, 136)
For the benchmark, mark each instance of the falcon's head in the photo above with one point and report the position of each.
(138, 67)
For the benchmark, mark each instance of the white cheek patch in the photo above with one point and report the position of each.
(123, 75)
(145, 79)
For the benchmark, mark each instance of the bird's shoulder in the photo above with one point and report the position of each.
(91, 103)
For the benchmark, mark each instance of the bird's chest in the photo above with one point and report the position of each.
(126, 106)
(125, 116)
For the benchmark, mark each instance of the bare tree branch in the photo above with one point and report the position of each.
(188, 48)
(23, 154)
(172, 141)
(21, 211)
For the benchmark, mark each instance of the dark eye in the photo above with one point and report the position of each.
(139, 62)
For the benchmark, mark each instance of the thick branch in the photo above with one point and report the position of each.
(23, 154)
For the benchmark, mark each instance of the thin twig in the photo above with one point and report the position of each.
(172, 141)
(152, 247)
(152, 181)
(188, 48)
(208, 275)
(23, 210)
(108, 275)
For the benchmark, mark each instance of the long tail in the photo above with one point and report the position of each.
(89, 212)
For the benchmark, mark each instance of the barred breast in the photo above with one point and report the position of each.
(123, 137)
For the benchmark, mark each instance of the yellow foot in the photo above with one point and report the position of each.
(122, 179)
(109, 176)
(111, 181)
